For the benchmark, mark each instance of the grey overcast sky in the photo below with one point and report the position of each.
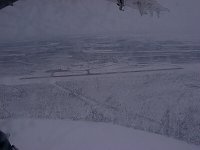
(32, 19)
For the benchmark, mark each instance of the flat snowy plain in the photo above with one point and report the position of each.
(142, 84)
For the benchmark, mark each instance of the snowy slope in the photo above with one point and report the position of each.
(69, 135)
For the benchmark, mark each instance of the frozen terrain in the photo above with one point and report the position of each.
(142, 84)
(70, 135)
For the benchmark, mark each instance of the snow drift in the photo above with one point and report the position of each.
(69, 135)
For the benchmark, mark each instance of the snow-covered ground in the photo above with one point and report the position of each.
(143, 84)
(75, 135)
